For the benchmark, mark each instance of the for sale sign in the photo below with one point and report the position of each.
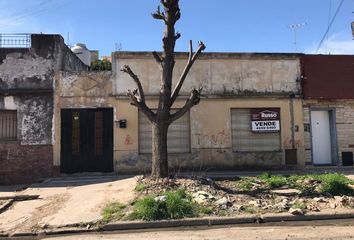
(265, 119)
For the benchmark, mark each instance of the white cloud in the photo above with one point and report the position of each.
(338, 43)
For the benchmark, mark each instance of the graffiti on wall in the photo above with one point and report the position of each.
(220, 138)
(128, 140)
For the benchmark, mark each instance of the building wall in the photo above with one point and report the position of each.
(229, 81)
(240, 81)
(27, 78)
(220, 74)
(211, 142)
(328, 76)
(344, 119)
(81, 90)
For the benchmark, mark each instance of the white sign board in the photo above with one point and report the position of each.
(264, 126)
(265, 119)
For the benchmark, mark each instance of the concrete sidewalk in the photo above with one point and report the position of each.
(66, 201)
(74, 200)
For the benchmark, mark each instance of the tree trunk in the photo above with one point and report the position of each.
(162, 118)
(159, 151)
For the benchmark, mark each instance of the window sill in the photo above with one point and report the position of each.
(274, 151)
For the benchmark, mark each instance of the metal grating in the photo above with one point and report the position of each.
(8, 125)
(15, 40)
(178, 136)
(243, 139)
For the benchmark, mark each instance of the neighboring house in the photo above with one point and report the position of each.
(328, 90)
(249, 118)
(29, 67)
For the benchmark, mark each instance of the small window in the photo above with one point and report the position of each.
(8, 125)
(243, 139)
(178, 135)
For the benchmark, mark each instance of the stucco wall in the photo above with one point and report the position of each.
(27, 78)
(211, 141)
(218, 73)
(81, 90)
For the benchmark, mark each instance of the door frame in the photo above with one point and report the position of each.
(108, 131)
(333, 135)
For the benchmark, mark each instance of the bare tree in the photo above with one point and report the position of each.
(162, 118)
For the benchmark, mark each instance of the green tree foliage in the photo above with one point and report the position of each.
(101, 65)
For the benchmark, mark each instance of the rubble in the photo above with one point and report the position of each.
(225, 199)
(296, 211)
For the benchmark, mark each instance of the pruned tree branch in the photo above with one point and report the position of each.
(157, 57)
(191, 59)
(159, 15)
(193, 100)
(126, 69)
(137, 97)
(177, 36)
(134, 100)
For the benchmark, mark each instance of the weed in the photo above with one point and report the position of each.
(140, 187)
(222, 213)
(176, 205)
(249, 209)
(205, 210)
(299, 205)
(276, 181)
(245, 184)
(335, 184)
(113, 211)
(264, 176)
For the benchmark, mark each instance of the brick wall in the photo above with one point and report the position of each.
(23, 164)
(344, 116)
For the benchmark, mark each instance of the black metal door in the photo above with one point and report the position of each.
(86, 140)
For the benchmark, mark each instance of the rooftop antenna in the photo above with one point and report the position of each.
(118, 47)
(294, 27)
(68, 40)
(353, 28)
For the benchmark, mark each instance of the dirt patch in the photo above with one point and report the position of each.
(55, 203)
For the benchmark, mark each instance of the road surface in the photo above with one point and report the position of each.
(301, 230)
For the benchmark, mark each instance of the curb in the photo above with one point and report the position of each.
(194, 222)
(224, 221)
(6, 205)
(309, 217)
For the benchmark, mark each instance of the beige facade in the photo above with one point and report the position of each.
(229, 81)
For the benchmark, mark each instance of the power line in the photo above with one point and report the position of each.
(330, 25)
(32, 11)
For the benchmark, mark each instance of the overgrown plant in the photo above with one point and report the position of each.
(113, 211)
(170, 205)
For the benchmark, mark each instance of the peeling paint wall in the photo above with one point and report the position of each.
(81, 90)
(229, 80)
(222, 74)
(27, 80)
(211, 138)
(265, 80)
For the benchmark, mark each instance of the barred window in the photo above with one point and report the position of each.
(178, 136)
(243, 139)
(8, 125)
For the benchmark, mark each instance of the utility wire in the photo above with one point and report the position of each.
(330, 25)
(32, 11)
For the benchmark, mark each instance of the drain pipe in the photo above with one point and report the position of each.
(292, 120)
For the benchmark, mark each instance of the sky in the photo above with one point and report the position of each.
(223, 25)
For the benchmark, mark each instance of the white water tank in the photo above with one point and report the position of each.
(83, 53)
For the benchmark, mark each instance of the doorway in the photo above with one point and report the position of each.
(323, 140)
(86, 140)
